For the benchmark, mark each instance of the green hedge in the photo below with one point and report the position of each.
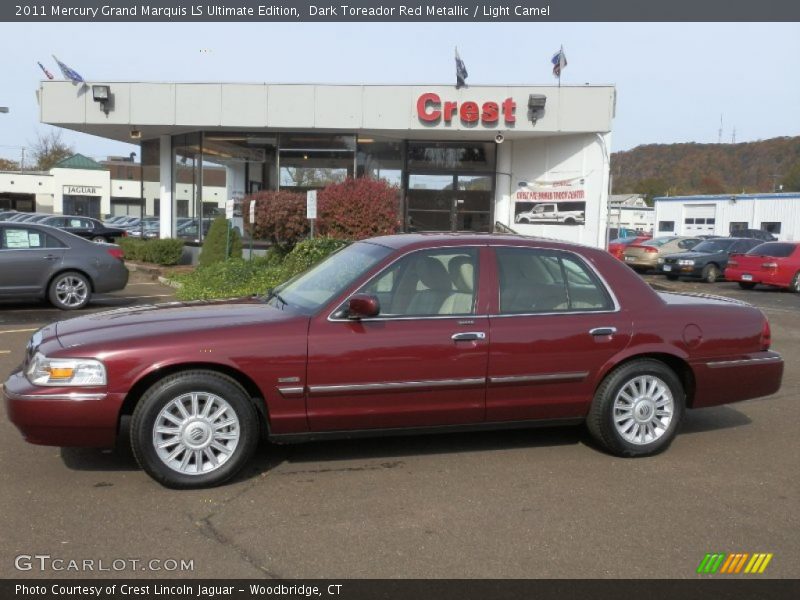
(161, 252)
(219, 244)
(238, 277)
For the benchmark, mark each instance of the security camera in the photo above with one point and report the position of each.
(499, 138)
(136, 134)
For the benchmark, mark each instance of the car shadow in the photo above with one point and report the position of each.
(713, 419)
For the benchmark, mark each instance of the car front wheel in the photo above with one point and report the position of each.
(637, 409)
(710, 273)
(69, 291)
(194, 429)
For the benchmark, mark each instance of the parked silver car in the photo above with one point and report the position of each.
(46, 262)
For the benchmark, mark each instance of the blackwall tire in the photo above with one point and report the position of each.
(794, 286)
(194, 429)
(711, 273)
(637, 409)
(99, 239)
(69, 291)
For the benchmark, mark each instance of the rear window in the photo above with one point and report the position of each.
(776, 249)
(713, 246)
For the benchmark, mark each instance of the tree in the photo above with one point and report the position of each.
(791, 181)
(8, 165)
(49, 149)
(650, 188)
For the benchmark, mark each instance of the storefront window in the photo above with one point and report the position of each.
(380, 158)
(451, 156)
(311, 161)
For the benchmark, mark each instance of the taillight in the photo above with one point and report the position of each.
(766, 336)
(650, 250)
(769, 265)
(116, 252)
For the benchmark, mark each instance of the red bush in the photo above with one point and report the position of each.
(352, 210)
(280, 217)
(358, 208)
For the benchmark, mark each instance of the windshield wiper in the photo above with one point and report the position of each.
(273, 293)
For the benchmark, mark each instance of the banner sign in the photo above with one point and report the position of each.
(561, 202)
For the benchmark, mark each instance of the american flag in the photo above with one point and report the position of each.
(559, 61)
(461, 72)
(45, 71)
(68, 73)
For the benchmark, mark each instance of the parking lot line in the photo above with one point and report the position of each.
(19, 330)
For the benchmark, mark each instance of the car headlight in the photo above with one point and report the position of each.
(686, 263)
(661, 261)
(65, 371)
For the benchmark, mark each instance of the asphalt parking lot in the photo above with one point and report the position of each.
(520, 504)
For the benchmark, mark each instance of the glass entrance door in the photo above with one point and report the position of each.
(450, 202)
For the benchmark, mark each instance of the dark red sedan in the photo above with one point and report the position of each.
(389, 335)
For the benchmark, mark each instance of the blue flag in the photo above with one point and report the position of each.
(68, 73)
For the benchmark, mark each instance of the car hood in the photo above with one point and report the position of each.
(172, 318)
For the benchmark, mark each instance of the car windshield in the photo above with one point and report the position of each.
(314, 288)
(713, 246)
(656, 242)
(776, 249)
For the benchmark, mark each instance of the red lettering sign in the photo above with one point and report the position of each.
(431, 109)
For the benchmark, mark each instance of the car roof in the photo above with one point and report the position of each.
(405, 241)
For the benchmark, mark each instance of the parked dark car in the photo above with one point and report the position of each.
(390, 335)
(45, 262)
(7, 214)
(756, 234)
(707, 260)
(86, 227)
(190, 229)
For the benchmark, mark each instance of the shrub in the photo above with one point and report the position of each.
(161, 252)
(280, 217)
(237, 277)
(358, 208)
(310, 252)
(218, 246)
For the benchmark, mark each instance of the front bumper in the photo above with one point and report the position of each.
(681, 270)
(62, 416)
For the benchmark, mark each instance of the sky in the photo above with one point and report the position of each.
(674, 80)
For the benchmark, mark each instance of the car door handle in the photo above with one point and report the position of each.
(468, 336)
(597, 331)
(50, 257)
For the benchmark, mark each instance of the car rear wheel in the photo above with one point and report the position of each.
(637, 409)
(69, 291)
(747, 285)
(710, 273)
(194, 429)
(795, 285)
(99, 239)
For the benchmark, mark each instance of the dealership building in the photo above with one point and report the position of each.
(535, 158)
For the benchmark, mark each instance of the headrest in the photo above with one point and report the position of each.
(433, 274)
(462, 272)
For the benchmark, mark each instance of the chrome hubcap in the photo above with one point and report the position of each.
(196, 433)
(71, 291)
(643, 409)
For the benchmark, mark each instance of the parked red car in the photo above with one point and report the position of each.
(771, 263)
(391, 335)
(617, 247)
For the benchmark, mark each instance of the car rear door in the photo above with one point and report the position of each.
(28, 258)
(421, 362)
(553, 325)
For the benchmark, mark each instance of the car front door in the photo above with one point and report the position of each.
(420, 362)
(553, 325)
(27, 259)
